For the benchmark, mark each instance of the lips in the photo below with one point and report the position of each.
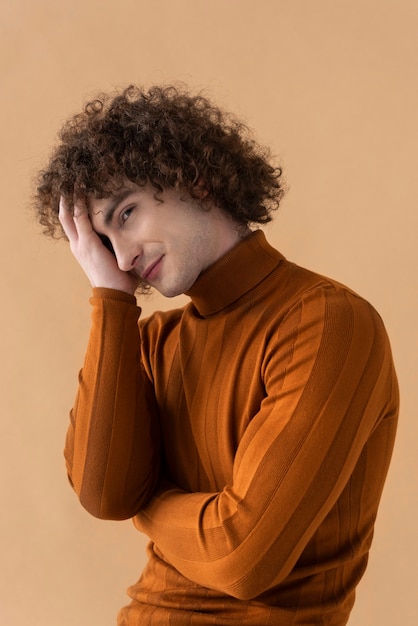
(152, 269)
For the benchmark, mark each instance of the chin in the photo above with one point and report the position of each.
(175, 289)
(169, 291)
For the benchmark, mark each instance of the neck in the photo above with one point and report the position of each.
(229, 231)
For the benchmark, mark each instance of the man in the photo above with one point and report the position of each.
(249, 433)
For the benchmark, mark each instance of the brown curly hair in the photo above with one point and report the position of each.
(163, 136)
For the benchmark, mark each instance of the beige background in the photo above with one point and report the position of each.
(332, 86)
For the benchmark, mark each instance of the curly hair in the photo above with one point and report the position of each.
(165, 137)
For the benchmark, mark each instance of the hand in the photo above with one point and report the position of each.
(98, 263)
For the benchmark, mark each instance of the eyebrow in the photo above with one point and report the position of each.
(115, 202)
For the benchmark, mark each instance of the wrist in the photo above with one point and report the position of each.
(109, 293)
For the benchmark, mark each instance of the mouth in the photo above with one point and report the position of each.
(152, 270)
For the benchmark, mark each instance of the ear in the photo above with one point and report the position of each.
(200, 189)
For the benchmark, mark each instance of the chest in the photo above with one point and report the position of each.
(208, 385)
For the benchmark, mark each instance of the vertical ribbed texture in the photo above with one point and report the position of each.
(277, 401)
(112, 455)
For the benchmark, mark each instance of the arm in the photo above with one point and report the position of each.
(112, 446)
(329, 384)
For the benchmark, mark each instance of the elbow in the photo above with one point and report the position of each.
(112, 509)
(105, 511)
(113, 506)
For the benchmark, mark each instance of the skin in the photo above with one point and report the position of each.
(165, 242)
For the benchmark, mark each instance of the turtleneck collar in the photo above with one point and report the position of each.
(234, 274)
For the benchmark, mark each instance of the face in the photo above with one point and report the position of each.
(167, 243)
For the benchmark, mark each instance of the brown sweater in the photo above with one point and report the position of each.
(249, 435)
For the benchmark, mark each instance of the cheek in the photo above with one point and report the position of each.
(188, 262)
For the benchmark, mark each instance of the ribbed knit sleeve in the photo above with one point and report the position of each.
(113, 441)
(309, 469)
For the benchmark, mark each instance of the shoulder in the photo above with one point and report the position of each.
(293, 286)
(307, 303)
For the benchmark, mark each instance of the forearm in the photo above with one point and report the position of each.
(112, 446)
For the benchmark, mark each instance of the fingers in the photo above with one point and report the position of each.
(75, 223)
(82, 222)
(67, 221)
(98, 263)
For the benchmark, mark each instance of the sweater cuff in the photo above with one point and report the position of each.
(112, 294)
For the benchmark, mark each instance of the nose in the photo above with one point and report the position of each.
(126, 256)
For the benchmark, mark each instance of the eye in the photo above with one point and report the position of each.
(125, 214)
